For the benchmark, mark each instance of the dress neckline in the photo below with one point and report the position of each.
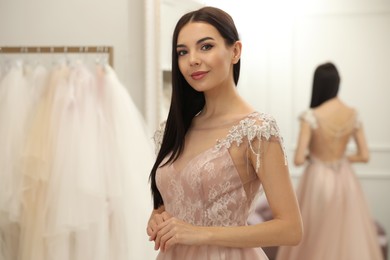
(213, 147)
(229, 124)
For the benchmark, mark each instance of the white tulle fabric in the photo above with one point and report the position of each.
(74, 178)
(211, 190)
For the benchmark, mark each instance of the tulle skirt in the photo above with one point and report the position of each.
(81, 189)
(212, 253)
(336, 217)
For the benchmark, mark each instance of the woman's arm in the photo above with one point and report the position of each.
(286, 226)
(303, 143)
(362, 154)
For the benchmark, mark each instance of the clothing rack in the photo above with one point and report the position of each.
(61, 49)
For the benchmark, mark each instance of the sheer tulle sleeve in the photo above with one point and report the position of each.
(257, 129)
(158, 137)
(309, 117)
(273, 159)
(266, 142)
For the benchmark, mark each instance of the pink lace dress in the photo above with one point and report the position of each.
(219, 185)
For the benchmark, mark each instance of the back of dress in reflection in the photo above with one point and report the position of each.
(337, 221)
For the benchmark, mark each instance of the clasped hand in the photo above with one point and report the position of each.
(167, 231)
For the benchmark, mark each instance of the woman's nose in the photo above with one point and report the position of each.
(194, 59)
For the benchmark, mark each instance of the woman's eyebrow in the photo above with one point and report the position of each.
(197, 42)
(204, 39)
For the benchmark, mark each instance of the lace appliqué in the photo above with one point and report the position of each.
(308, 116)
(158, 137)
(256, 125)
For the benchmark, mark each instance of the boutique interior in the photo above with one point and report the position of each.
(124, 46)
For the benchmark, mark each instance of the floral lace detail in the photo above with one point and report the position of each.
(248, 127)
(158, 137)
(308, 116)
(208, 193)
(254, 126)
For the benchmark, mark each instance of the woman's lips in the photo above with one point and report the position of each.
(198, 75)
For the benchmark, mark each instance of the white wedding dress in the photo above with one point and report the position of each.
(74, 176)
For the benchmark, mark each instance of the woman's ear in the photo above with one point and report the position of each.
(236, 52)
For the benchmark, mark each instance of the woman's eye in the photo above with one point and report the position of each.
(207, 47)
(181, 52)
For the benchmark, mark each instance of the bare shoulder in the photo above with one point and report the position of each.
(334, 108)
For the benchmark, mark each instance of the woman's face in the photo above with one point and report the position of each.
(203, 57)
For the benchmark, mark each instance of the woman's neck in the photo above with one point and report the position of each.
(224, 103)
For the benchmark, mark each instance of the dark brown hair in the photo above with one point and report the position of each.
(326, 83)
(187, 102)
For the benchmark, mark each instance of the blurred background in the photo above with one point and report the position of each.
(283, 42)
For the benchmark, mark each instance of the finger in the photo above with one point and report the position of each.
(171, 242)
(156, 243)
(153, 236)
(164, 229)
(165, 215)
(161, 230)
(158, 218)
(157, 240)
(162, 220)
(156, 229)
(163, 224)
(151, 227)
(149, 231)
(156, 247)
(167, 240)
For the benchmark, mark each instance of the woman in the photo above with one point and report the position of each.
(335, 214)
(203, 189)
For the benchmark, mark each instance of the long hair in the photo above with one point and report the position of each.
(325, 84)
(185, 101)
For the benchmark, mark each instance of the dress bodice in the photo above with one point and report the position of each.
(218, 186)
(207, 192)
